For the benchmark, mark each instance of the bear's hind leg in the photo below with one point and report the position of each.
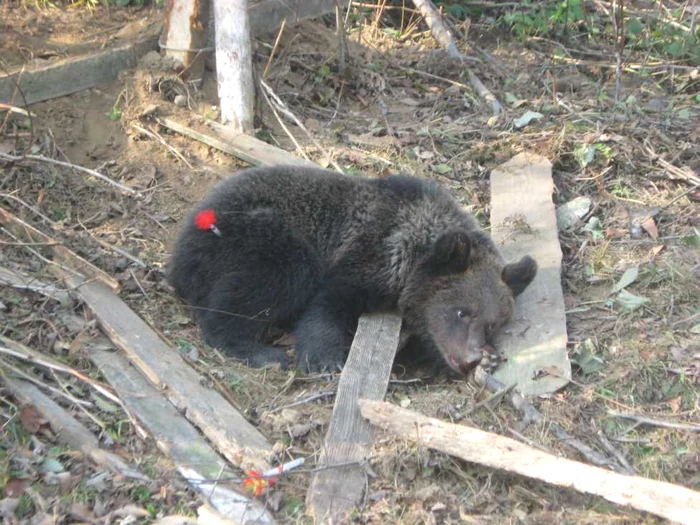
(267, 286)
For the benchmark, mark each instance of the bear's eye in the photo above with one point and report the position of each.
(461, 314)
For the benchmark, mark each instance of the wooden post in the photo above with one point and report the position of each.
(234, 64)
(185, 36)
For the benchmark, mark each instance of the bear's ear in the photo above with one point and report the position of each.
(520, 274)
(451, 252)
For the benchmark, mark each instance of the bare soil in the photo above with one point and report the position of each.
(34, 37)
(402, 105)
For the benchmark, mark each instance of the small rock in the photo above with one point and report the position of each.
(180, 100)
(149, 110)
(573, 211)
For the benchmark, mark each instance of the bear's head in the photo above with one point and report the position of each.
(461, 295)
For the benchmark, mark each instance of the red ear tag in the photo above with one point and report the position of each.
(206, 220)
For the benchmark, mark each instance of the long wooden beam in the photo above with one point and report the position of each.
(77, 74)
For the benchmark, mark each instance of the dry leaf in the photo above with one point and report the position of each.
(131, 510)
(31, 419)
(675, 404)
(15, 487)
(656, 250)
(649, 226)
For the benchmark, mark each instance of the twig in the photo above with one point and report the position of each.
(14, 109)
(644, 420)
(285, 111)
(681, 174)
(284, 127)
(160, 139)
(618, 20)
(20, 351)
(444, 38)
(133, 276)
(493, 397)
(115, 249)
(274, 48)
(69, 430)
(20, 281)
(605, 442)
(38, 255)
(30, 378)
(41, 158)
(434, 77)
(16, 80)
(531, 414)
(342, 46)
(28, 206)
(60, 252)
(310, 399)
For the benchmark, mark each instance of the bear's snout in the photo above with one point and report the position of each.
(466, 362)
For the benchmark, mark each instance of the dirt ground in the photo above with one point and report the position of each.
(402, 105)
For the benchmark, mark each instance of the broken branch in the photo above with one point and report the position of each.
(669, 501)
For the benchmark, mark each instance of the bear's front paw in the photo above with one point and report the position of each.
(315, 363)
(269, 356)
(490, 359)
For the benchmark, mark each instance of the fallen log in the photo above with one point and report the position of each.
(663, 499)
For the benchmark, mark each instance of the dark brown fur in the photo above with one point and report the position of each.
(310, 250)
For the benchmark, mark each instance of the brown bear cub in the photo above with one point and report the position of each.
(309, 250)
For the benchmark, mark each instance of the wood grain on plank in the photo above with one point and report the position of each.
(73, 74)
(240, 145)
(238, 440)
(61, 253)
(69, 430)
(523, 222)
(349, 438)
(670, 501)
(175, 436)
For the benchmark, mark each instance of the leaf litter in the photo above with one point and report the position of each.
(383, 119)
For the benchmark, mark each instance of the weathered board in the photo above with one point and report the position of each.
(523, 222)
(61, 253)
(175, 436)
(335, 491)
(73, 74)
(76, 74)
(240, 145)
(673, 502)
(238, 440)
(69, 430)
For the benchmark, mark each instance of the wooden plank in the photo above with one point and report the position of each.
(76, 74)
(21, 281)
(240, 145)
(672, 502)
(333, 492)
(73, 74)
(69, 430)
(238, 440)
(61, 253)
(523, 222)
(194, 458)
